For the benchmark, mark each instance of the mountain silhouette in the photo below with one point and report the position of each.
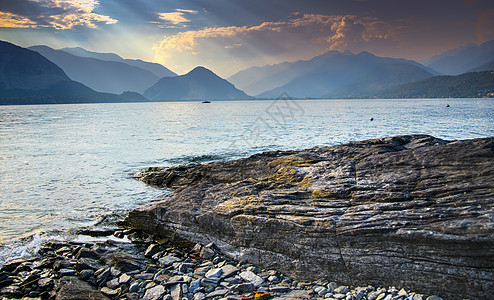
(100, 75)
(462, 59)
(333, 73)
(27, 77)
(156, 69)
(198, 84)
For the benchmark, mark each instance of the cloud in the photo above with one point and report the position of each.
(177, 17)
(302, 36)
(9, 20)
(58, 14)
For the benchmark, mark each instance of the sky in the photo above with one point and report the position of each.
(230, 35)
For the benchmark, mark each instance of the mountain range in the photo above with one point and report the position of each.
(198, 84)
(27, 77)
(333, 74)
(100, 75)
(462, 59)
(467, 85)
(72, 75)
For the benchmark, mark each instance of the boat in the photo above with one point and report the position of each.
(206, 101)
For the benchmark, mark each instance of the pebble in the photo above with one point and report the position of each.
(149, 270)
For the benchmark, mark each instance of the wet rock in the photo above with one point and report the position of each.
(168, 261)
(349, 213)
(72, 288)
(124, 262)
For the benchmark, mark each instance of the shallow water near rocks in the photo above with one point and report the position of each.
(66, 166)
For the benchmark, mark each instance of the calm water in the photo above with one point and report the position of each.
(64, 166)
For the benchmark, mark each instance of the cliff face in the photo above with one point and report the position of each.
(407, 211)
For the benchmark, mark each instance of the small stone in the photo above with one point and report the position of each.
(199, 296)
(331, 286)
(320, 290)
(151, 250)
(113, 284)
(253, 270)
(207, 282)
(244, 288)
(273, 279)
(434, 297)
(176, 292)
(46, 283)
(341, 290)
(214, 273)
(134, 287)
(110, 292)
(155, 293)
(66, 272)
(207, 253)
(86, 274)
(194, 285)
(168, 261)
(339, 296)
(124, 279)
(279, 288)
(217, 293)
(252, 278)
(228, 270)
(144, 276)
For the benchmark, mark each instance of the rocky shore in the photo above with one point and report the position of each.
(398, 218)
(407, 211)
(136, 266)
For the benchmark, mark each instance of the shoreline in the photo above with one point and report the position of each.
(130, 264)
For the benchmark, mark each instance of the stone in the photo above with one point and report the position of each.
(46, 283)
(113, 284)
(228, 270)
(123, 261)
(86, 274)
(124, 279)
(214, 273)
(176, 292)
(110, 292)
(252, 278)
(414, 201)
(217, 293)
(273, 279)
(134, 287)
(320, 290)
(71, 288)
(168, 261)
(279, 288)
(155, 293)
(434, 298)
(151, 250)
(341, 290)
(207, 282)
(244, 288)
(199, 296)
(207, 253)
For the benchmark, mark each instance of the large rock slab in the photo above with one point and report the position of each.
(407, 211)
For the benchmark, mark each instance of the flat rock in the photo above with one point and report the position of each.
(72, 288)
(412, 211)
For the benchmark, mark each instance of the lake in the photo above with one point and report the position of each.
(67, 166)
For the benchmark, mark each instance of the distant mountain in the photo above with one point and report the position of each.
(100, 75)
(489, 66)
(156, 69)
(198, 84)
(462, 59)
(26, 77)
(384, 76)
(468, 85)
(334, 72)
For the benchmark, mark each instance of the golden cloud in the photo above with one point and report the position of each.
(176, 17)
(70, 13)
(9, 20)
(334, 32)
